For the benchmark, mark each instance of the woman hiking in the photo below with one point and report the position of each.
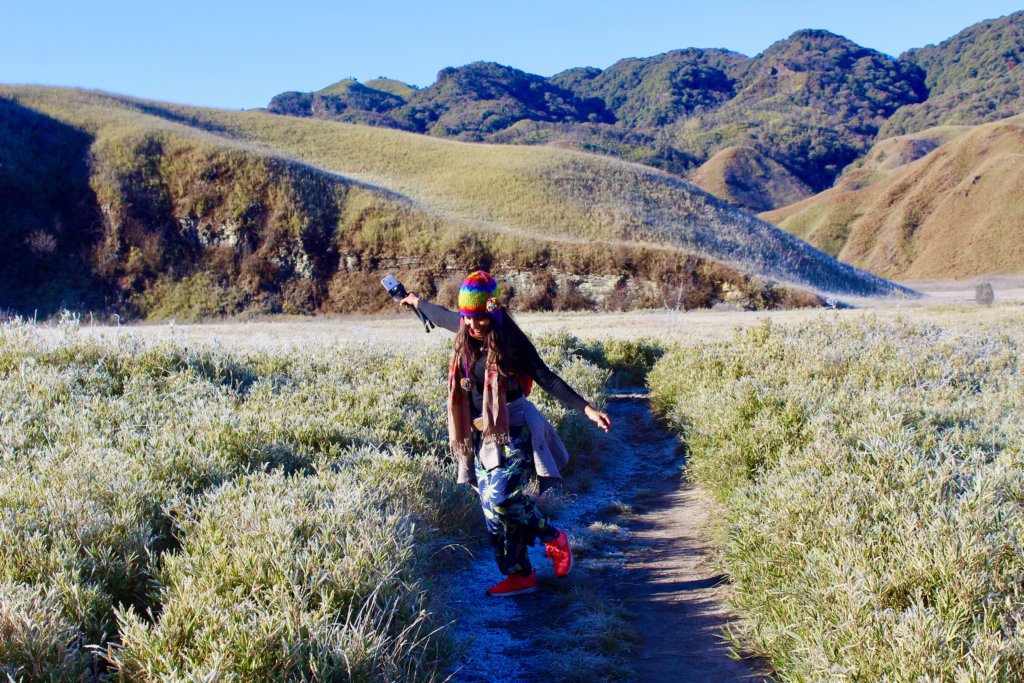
(498, 437)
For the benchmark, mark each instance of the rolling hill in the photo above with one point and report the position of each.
(953, 212)
(811, 103)
(252, 211)
(745, 177)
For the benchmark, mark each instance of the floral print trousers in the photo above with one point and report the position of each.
(513, 519)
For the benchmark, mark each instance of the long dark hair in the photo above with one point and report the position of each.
(497, 344)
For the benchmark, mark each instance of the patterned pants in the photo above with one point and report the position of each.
(513, 519)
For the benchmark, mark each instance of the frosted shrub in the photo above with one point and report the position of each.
(567, 355)
(873, 480)
(632, 359)
(36, 640)
(224, 513)
(301, 577)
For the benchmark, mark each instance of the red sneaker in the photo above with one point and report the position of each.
(560, 553)
(514, 584)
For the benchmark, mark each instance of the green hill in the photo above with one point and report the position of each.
(646, 94)
(346, 100)
(468, 102)
(396, 88)
(252, 211)
(974, 77)
(813, 103)
(478, 99)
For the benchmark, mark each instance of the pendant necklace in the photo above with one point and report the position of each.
(466, 382)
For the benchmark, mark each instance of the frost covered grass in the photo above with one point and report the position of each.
(173, 511)
(873, 478)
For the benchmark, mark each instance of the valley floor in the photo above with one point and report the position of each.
(942, 302)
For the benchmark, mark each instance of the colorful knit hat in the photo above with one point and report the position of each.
(478, 294)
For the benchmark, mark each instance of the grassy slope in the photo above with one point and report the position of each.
(892, 153)
(953, 213)
(194, 225)
(519, 191)
(747, 178)
(389, 85)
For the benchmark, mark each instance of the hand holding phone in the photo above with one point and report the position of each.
(397, 292)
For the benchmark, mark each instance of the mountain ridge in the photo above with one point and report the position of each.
(813, 103)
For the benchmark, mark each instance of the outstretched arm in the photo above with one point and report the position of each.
(534, 365)
(439, 315)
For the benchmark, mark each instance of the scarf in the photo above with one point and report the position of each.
(494, 415)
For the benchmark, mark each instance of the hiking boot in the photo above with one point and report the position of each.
(560, 553)
(514, 584)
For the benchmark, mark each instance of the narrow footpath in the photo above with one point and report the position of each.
(661, 571)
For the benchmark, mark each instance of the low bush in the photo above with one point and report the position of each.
(871, 474)
(299, 578)
(169, 512)
(630, 360)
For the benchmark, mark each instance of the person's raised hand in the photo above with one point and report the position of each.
(411, 300)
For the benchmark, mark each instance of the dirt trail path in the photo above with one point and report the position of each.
(669, 583)
(663, 574)
(676, 595)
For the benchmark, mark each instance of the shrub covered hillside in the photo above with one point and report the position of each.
(814, 102)
(974, 77)
(811, 102)
(873, 478)
(182, 514)
(468, 102)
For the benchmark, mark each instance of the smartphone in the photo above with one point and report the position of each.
(397, 292)
(395, 289)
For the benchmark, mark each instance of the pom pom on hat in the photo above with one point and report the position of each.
(478, 294)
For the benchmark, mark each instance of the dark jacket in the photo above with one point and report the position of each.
(525, 360)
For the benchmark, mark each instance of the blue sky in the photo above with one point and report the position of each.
(238, 55)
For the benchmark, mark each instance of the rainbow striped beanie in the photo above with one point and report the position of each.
(478, 294)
